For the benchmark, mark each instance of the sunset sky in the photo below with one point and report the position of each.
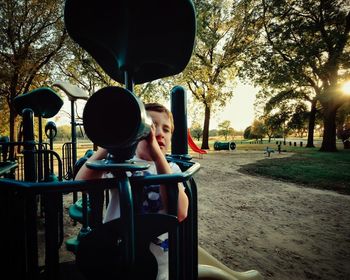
(240, 110)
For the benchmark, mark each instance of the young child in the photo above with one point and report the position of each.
(152, 150)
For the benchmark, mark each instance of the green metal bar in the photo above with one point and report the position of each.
(31, 239)
(74, 144)
(52, 235)
(193, 231)
(174, 260)
(85, 185)
(179, 146)
(127, 217)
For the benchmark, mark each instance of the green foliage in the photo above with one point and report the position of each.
(196, 130)
(258, 129)
(343, 127)
(304, 46)
(4, 119)
(273, 125)
(221, 38)
(299, 119)
(248, 134)
(32, 33)
(225, 129)
(343, 121)
(155, 91)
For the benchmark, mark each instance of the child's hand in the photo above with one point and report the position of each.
(153, 146)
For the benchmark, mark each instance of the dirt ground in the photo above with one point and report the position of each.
(283, 230)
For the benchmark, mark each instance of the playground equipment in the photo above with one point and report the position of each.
(127, 63)
(268, 151)
(230, 146)
(51, 132)
(122, 139)
(134, 42)
(69, 149)
(193, 145)
(45, 103)
(212, 269)
(75, 210)
(7, 166)
(181, 133)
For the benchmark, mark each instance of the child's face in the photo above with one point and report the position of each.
(163, 134)
(163, 129)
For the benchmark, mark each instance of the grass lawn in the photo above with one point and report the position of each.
(307, 166)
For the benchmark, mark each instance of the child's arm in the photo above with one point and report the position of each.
(163, 167)
(86, 173)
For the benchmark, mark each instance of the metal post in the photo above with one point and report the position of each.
(179, 145)
(74, 134)
(74, 144)
(127, 215)
(128, 81)
(30, 233)
(40, 148)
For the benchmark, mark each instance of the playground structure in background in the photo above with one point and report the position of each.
(193, 145)
(98, 252)
(229, 146)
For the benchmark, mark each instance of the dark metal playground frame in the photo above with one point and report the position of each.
(134, 42)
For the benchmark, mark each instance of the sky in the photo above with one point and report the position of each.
(239, 110)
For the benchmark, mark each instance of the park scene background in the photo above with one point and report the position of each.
(298, 64)
(293, 58)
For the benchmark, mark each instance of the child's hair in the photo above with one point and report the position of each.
(156, 107)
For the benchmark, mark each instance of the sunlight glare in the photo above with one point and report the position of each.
(346, 88)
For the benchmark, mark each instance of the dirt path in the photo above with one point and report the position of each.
(284, 230)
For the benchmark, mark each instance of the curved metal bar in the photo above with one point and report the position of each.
(60, 169)
(85, 185)
(167, 178)
(109, 165)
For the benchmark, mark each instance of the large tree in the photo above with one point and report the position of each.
(273, 98)
(225, 129)
(304, 44)
(31, 35)
(222, 34)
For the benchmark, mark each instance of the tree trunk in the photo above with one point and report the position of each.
(205, 140)
(311, 128)
(329, 132)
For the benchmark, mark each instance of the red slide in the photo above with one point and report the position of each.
(193, 145)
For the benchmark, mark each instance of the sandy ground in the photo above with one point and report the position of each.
(283, 230)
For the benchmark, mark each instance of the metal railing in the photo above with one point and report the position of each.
(18, 199)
